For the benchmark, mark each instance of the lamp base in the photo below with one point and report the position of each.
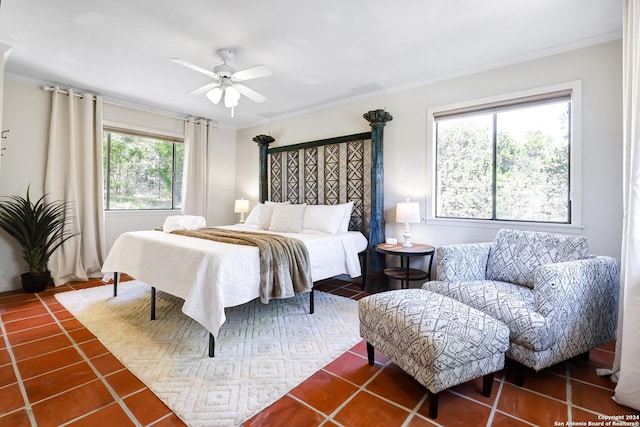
(407, 236)
(241, 217)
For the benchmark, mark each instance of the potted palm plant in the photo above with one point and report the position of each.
(39, 228)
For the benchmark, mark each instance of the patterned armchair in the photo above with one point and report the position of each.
(557, 300)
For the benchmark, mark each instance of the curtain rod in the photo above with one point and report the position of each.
(174, 116)
(64, 92)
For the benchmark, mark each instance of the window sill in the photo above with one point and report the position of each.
(517, 225)
(141, 212)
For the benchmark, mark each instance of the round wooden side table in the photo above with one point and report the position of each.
(405, 273)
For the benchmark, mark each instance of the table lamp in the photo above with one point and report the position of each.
(241, 207)
(407, 213)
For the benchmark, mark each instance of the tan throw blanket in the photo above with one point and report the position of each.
(284, 261)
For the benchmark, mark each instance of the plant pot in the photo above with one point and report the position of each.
(35, 282)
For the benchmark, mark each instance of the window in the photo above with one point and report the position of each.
(506, 160)
(141, 171)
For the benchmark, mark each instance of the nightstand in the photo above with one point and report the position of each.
(405, 273)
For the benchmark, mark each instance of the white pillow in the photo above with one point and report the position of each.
(287, 218)
(183, 222)
(254, 216)
(328, 219)
(266, 212)
(323, 218)
(344, 224)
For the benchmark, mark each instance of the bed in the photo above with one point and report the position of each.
(210, 276)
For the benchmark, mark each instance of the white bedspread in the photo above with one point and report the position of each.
(211, 275)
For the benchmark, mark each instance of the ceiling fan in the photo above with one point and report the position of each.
(226, 80)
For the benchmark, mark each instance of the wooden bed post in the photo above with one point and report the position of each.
(375, 279)
(263, 142)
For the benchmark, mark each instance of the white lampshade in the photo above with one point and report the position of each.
(231, 97)
(241, 206)
(215, 94)
(408, 212)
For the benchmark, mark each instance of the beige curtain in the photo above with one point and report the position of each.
(627, 362)
(74, 174)
(194, 181)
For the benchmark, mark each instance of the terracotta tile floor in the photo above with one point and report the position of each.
(53, 372)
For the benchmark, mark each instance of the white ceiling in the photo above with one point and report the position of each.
(320, 52)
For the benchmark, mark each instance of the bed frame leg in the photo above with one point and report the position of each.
(153, 303)
(212, 345)
(116, 276)
(363, 267)
(311, 305)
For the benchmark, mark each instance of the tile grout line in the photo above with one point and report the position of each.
(48, 372)
(568, 395)
(413, 414)
(164, 417)
(537, 393)
(33, 341)
(578, 380)
(494, 407)
(101, 378)
(64, 391)
(19, 380)
(314, 409)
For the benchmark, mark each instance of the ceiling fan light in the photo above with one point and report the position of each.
(214, 95)
(231, 97)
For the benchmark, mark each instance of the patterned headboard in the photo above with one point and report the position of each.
(328, 172)
(332, 171)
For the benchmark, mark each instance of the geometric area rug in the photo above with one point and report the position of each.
(262, 351)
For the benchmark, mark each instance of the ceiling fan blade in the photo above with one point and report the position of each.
(249, 93)
(203, 89)
(252, 73)
(195, 67)
(215, 94)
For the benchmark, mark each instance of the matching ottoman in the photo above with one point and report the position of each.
(437, 340)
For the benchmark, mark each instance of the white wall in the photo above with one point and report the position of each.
(222, 177)
(26, 115)
(405, 156)
(4, 51)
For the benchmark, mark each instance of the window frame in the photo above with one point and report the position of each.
(575, 155)
(175, 138)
